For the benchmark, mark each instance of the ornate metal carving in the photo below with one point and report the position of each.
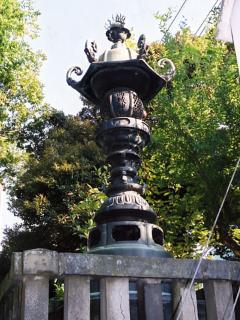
(121, 133)
(142, 46)
(91, 50)
(117, 21)
(127, 197)
(133, 72)
(122, 103)
(116, 30)
(171, 69)
(120, 82)
(70, 80)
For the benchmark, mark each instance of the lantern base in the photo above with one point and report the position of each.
(127, 238)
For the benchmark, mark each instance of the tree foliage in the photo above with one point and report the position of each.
(195, 144)
(59, 188)
(60, 182)
(21, 98)
(52, 159)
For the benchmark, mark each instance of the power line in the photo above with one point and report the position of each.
(204, 20)
(234, 305)
(180, 9)
(205, 249)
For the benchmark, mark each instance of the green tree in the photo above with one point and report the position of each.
(60, 181)
(59, 188)
(21, 98)
(195, 144)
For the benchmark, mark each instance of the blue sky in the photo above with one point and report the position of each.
(65, 25)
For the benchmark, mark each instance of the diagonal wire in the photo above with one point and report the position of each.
(235, 301)
(210, 12)
(180, 9)
(204, 20)
(234, 305)
(205, 249)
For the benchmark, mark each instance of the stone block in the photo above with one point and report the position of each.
(115, 299)
(40, 261)
(219, 299)
(76, 298)
(16, 264)
(35, 297)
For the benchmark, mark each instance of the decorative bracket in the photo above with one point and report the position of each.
(170, 69)
(77, 71)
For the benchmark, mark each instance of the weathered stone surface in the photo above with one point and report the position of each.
(219, 299)
(153, 301)
(35, 296)
(38, 265)
(184, 301)
(39, 261)
(16, 264)
(118, 266)
(16, 303)
(76, 298)
(115, 299)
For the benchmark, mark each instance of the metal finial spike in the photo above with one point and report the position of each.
(108, 24)
(120, 19)
(117, 21)
(116, 31)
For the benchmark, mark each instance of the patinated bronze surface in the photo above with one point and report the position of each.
(121, 84)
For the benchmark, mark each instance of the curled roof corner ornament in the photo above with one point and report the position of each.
(74, 70)
(171, 69)
(119, 67)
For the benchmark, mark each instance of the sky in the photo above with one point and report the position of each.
(65, 25)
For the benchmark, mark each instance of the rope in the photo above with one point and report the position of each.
(205, 249)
